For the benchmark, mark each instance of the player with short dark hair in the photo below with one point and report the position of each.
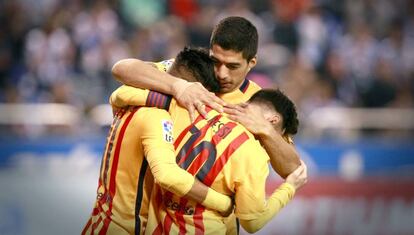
(232, 64)
(231, 67)
(139, 150)
(197, 61)
(224, 155)
(278, 101)
(230, 28)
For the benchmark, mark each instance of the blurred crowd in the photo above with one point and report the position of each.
(352, 53)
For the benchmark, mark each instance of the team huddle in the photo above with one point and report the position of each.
(181, 160)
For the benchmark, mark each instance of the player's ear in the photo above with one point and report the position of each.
(252, 62)
(276, 119)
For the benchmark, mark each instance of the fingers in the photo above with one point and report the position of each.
(299, 170)
(243, 105)
(298, 177)
(216, 107)
(201, 108)
(230, 111)
(234, 118)
(302, 177)
(240, 108)
(191, 113)
(234, 109)
(305, 172)
(303, 165)
(214, 102)
(295, 174)
(197, 98)
(217, 100)
(233, 114)
(230, 106)
(209, 98)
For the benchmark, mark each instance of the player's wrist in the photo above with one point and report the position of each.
(217, 201)
(289, 186)
(178, 87)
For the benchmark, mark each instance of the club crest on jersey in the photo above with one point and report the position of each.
(167, 128)
(166, 64)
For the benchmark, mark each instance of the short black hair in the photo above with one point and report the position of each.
(282, 104)
(196, 60)
(237, 34)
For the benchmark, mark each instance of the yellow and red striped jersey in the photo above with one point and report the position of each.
(159, 100)
(223, 155)
(138, 138)
(126, 95)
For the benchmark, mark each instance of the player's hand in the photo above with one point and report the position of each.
(230, 209)
(250, 117)
(298, 177)
(193, 96)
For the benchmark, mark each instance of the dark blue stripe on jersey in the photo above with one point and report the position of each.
(140, 192)
(194, 137)
(243, 87)
(149, 101)
(187, 145)
(238, 226)
(205, 145)
(167, 102)
(194, 130)
(159, 100)
(208, 164)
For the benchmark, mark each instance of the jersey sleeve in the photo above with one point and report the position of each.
(157, 141)
(250, 181)
(127, 95)
(280, 197)
(252, 208)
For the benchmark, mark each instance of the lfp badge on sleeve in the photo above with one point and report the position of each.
(167, 128)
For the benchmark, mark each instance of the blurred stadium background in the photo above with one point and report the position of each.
(348, 65)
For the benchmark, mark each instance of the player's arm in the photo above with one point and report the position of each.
(283, 156)
(252, 208)
(159, 151)
(127, 95)
(279, 198)
(141, 74)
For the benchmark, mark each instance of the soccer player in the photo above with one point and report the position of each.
(139, 151)
(233, 47)
(224, 155)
